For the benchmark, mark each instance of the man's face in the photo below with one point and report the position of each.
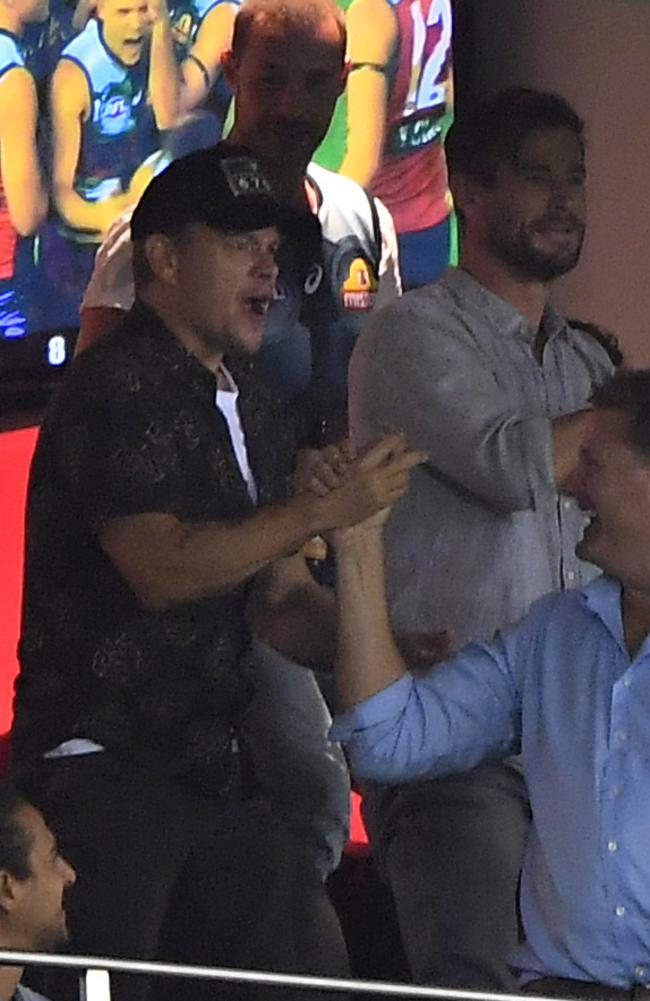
(126, 26)
(534, 216)
(286, 82)
(224, 285)
(612, 482)
(38, 919)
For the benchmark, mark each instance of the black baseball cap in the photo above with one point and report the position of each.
(222, 186)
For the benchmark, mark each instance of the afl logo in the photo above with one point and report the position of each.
(313, 279)
(115, 109)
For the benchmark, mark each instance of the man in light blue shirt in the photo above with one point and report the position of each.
(568, 687)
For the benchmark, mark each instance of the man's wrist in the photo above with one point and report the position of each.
(358, 540)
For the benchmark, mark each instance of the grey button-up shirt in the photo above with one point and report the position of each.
(482, 532)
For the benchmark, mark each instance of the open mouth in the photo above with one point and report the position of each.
(258, 304)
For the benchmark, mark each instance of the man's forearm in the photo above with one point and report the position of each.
(367, 658)
(168, 562)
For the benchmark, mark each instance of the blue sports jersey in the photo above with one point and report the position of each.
(120, 132)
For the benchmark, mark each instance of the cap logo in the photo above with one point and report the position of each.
(244, 176)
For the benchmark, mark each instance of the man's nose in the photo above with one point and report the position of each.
(265, 261)
(69, 874)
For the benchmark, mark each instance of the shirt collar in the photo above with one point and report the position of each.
(603, 597)
(479, 299)
(168, 349)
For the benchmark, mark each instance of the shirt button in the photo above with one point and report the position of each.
(639, 970)
(620, 911)
(615, 790)
(622, 736)
(566, 504)
(612, 846)
(571, 575)
(627, 680)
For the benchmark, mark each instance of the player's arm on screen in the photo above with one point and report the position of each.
(164, 76)
(372, 34)
(201, 68)
(82, 12)
(19, 166)
(70, 105)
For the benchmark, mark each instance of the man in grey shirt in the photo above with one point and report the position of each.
(483, 374)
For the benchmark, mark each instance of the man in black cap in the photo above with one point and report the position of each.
(160, 491)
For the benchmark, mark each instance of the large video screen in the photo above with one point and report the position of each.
(83, 129)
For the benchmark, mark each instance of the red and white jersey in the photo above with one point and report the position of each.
(411, 179)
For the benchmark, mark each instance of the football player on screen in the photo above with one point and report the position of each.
(114, 87)
(23, 198)
(400, 95)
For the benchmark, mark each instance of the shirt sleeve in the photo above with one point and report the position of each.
(111, 283)
(449, 720)
(390, 280)
(432, 382)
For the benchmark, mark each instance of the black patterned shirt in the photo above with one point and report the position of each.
(135, 429)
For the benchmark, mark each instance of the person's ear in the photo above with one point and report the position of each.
(161, 253)
(229, 68)
(9, 891)
(467, 194)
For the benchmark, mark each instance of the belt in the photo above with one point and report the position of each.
(565, 988)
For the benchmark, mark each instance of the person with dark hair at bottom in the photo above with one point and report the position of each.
(33, 880)
(481, 372)
(161, 529)
(568, 687)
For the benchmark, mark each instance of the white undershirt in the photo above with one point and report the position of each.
(226, 401)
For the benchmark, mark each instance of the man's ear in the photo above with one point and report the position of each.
(467, 193)
(9, 887)
(162, 257)
(229, 68)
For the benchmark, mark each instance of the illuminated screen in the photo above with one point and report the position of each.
(82, 92)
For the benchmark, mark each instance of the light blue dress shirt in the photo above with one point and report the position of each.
(560, 687)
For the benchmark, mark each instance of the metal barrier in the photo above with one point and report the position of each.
(98, 970)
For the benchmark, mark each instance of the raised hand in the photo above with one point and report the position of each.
(318, 471)
(371, 484)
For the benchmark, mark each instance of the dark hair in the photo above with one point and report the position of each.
(15, 843)
(301, 13)
(607, 340)
(629, 391)
(494, 131)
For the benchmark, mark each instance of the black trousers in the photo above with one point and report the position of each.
(167, 873)
(450, 850)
